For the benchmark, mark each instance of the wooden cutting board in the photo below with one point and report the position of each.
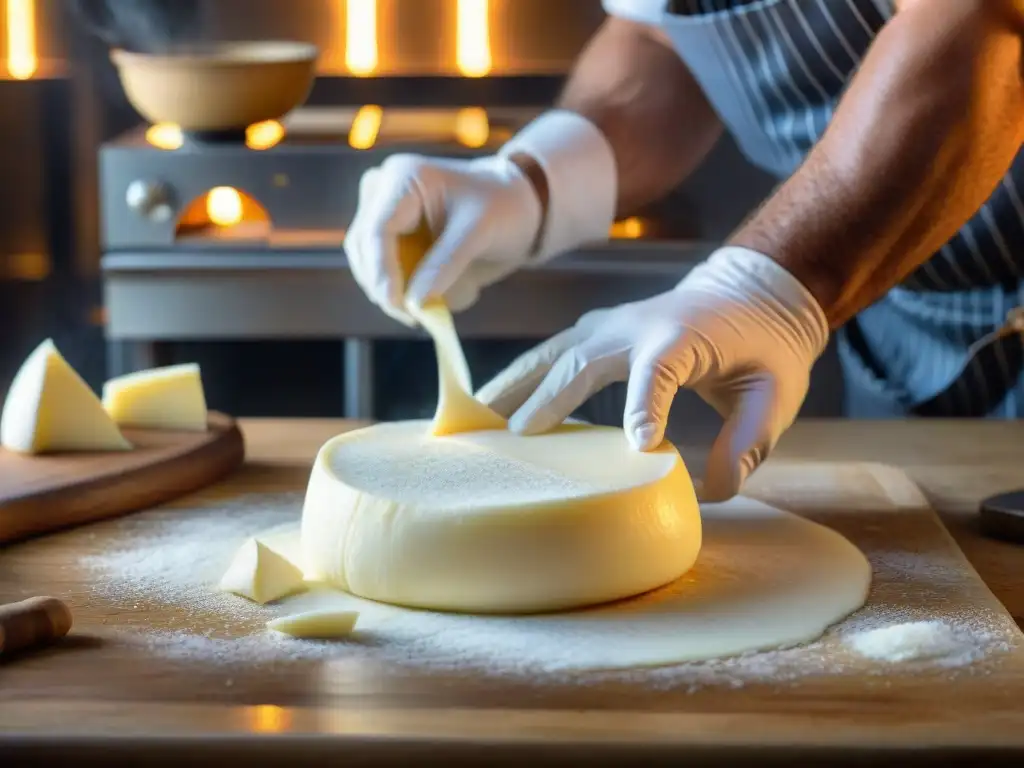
(46, 493)
(116, 676)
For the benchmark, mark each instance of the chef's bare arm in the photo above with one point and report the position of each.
(924, 134)
(634, 87)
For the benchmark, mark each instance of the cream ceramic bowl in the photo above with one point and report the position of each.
(219, 86)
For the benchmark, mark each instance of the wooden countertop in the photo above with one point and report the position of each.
(955, 463)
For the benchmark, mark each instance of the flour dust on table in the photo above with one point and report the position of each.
(933, 640)
(172, 559)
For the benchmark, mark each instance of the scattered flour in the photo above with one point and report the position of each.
(920, 641)
(170, 560)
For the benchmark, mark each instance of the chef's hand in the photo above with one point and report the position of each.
(739, 330)
(486, 214)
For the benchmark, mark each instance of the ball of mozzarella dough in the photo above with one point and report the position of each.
(493, 522)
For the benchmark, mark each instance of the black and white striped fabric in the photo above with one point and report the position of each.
(775, 71)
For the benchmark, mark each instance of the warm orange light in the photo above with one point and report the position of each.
(361, 37)
(30, 267)
(224, 214)
(472, 128)
(224, 206)
(22, 60)
(264, 135)
(365, 127)
(164, 136)
(473, 38)
(628, 229)
(267, 718)
(257, 136)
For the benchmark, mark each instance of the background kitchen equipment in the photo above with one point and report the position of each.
(252, 284)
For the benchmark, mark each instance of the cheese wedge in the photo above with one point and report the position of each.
(261, 574)
(169, 398)
(316, 625)
(494, 522)
(50, 409)
(457, 409)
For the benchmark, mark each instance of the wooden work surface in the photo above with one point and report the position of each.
(91, 699)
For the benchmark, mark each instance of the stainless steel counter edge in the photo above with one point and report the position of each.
(253, 294)
(671, 258)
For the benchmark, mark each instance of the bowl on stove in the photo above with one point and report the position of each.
(218, 87)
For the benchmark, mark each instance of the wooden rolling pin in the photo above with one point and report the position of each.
(32, 623)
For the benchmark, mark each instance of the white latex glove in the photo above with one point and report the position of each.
(739, 330)
(484, 213)
(485, 210)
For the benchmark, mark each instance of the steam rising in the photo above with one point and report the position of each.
(141, 25)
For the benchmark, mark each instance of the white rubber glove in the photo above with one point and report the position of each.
(484, 212)
(739, 330)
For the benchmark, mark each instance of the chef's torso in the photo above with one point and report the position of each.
(774, 70)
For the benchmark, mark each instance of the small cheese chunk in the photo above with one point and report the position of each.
(261, 574)
(316, 625)
(50, 409)
(160, 398)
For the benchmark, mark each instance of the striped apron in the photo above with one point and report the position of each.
(947, 341)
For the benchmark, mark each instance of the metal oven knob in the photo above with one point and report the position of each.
(150, 199)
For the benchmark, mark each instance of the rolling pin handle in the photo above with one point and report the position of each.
(32, 623)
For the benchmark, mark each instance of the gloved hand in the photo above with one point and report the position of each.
(485, 213)
(739, 330)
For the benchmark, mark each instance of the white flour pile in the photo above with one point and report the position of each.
(171, 560)
(918, 641)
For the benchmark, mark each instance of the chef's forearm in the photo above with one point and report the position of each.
(636, 90)
(922, 137)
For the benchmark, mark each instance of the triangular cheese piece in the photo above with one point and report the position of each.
(325, 624)
(50, 409)
(261, 574)
(159, 398)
